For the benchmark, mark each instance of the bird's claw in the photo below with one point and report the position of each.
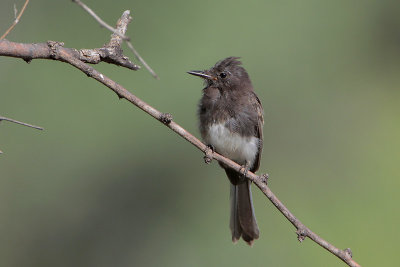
(208, 154)
(244, 170)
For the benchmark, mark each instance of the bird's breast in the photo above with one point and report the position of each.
(231, 144)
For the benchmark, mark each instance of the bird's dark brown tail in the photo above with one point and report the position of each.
(243, 221)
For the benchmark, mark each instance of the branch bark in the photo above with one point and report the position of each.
(55, 51)
(110, 53)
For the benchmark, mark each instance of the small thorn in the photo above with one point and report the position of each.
(27, 60)
(119, 96)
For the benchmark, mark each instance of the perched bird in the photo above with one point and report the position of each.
(231, 123)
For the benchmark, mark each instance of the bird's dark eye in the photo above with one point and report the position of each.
(222, 75)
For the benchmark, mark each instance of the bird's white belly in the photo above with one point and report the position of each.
(232, 145)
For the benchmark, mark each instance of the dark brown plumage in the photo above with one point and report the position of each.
(231, 121)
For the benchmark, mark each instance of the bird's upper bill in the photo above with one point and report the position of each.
(202, 74)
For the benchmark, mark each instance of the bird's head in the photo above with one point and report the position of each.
(226, 74)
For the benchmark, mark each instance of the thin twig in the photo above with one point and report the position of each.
(115, 31)
(20, 122)
(130, 45)
(16, 20)
(55, 51)
(98, 19)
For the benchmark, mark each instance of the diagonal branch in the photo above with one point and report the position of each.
(115, 31)
(97, 18)
(54, 50)
(64, 55)
(16, 20)
(260, 181)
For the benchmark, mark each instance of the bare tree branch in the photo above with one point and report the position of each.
(17, 18)
(114, 31)
(27, 52)
(54, 50)
(110, 53)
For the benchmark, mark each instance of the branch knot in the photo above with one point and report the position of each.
(302, 233)
(348, 252)
(166, 118)
(264, 178)
(54, 46)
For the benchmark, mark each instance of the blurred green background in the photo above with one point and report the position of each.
(106, 185)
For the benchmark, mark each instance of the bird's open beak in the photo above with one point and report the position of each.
(201, 74)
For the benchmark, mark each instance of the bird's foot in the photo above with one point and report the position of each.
(208, 154)
(244, 170)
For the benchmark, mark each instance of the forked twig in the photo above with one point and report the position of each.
(113, 30)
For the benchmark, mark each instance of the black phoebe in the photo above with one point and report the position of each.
(231, 121)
